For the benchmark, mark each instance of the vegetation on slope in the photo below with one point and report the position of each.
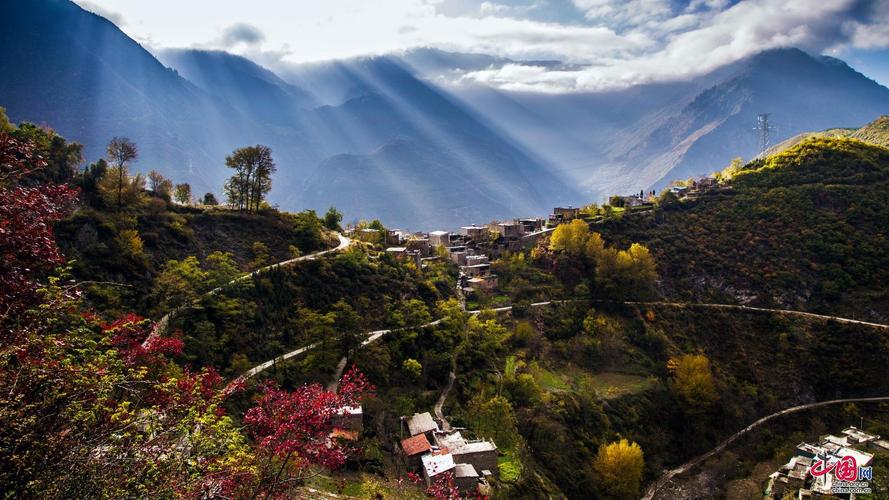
(804, 229)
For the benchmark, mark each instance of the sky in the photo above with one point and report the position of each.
(616, 43)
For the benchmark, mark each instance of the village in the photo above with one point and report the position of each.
(472, 247)
(814, 471)
(432, 450)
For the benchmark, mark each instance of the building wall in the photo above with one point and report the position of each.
(486, 460)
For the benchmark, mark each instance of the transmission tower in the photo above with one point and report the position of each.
(764, 128)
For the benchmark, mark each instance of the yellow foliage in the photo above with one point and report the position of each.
(570, 238)
(619, 467)
(129, 242)
(693, 380)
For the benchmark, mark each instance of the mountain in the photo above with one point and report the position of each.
(503, 152)
(647, 135)
(251, 89)
(77, 72)
(801, 91)
(94, 82)
(377, 112)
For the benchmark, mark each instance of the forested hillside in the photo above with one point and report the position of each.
(804, 229)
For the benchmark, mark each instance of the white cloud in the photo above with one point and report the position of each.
(739, 31)
(622, 42)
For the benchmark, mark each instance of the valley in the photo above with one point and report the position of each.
(450, 249)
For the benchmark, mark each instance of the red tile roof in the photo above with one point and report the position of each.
(416, 445)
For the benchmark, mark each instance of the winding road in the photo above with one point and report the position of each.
(161, 325)
(377, 334)
(667, 477)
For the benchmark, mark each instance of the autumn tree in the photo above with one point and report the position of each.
(160, 185)
(28, 248)
(619, 468)
(619, 274)
(121, 151)
(692, 380)
(292, 432)
(182, 193)
(625, 274)
(570, 238)
(253, 166)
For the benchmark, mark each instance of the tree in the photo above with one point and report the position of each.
(129, 243)
(619, 468)
(179, 282)
(27, 247)
(693, 381)
(252, 180)
(570, 238)
(292, 430)
(412, 368)
(62, 158)
(260, 254)
(182, 193)
(332, 219)
(493, 418)
(348, 327)
(210, 200)
(625, 274)
(121, 151)
(160, 185)
(119, 189)
(221, 268)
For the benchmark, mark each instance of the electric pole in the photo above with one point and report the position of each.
(764, 128)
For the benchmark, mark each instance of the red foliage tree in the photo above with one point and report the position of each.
(27, 213)
(444, 488)
(292, 430)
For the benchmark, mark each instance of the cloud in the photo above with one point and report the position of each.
(693, 44)
(624, 13)
(114, 17)
(616, 42)
(241, 33)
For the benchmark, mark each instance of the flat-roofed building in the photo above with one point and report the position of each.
(465, 478)
(434, 465)
(422, 423)
(475, 233)
(439, 239)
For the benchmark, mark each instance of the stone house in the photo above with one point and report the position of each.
(414, 448)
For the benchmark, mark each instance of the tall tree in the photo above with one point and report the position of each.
(160, 185)
(182, 193)
(253, 166)
(121, 151)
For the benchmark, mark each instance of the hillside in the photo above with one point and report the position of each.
(803, 229)
(875, 132)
